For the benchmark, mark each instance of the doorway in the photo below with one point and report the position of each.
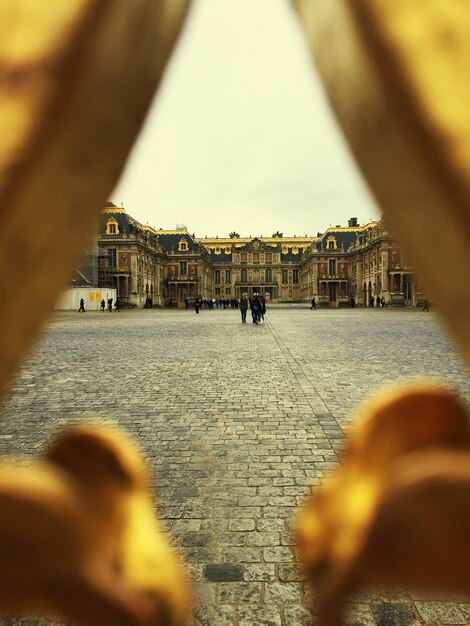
(407, 289)
(332, 294)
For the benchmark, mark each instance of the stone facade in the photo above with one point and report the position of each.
(153, 266)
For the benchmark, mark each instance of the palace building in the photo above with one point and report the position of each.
(150, 266)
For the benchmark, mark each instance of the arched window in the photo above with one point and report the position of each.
(269, 275)
(331, 243)
(112, 227)
(244, 276)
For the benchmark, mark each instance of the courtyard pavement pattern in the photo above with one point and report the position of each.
(238, 424)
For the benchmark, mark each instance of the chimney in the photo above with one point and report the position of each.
(352, 222)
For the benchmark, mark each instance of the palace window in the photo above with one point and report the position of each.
(112, 227)
(112, 257)
(285, 276)
(332, 267)
(183, 268)
(243, 257)
(217, 277)
(227, 276)
(227, 291)
(295, 277)
(182, 245)
(243, 276)
(269, 275)
(331, 243)
(268, 257)
(255, 257)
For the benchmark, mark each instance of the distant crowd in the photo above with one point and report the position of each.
(213, 303)
(256, 304)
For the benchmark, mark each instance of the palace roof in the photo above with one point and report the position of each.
(171, 239)
(220, 249)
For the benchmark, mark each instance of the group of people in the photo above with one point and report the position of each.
(257, 305)
(212, 303)
(377, 301)
(117, 305)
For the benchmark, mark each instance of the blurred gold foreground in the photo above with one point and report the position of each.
(398, 510)
(78, 535)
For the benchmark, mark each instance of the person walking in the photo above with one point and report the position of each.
(426, 305)
(103, 304)
(313, 304)
(263, 306)
(352, 301)
(82, 306)
(243, 308)
(117, 305)
(256, 309)
(197, 304)
(110, 305)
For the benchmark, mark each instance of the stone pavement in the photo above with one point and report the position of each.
(238, 423)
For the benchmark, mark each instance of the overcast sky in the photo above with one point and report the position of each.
(240, 136)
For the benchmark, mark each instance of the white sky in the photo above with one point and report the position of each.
(240, 136)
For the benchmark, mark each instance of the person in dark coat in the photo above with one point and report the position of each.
(197, 305)
(263, 306)
(243, 308)
(103, 304)
(82, 306)
(314, 304)
(117, 305)
(256, 309)
(110, 305)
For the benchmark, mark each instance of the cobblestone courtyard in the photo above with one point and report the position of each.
(237, 422)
